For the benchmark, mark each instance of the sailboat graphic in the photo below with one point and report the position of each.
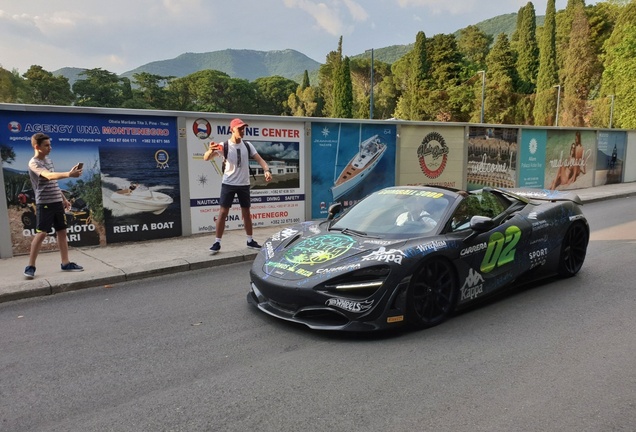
(369, 154)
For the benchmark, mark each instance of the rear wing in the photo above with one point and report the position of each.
(544, 195)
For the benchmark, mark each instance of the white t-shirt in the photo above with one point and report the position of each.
(235, 175)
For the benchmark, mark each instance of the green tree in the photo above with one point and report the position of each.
(500, 83)
(9, 84)
(303, 103)
(527, 50)
(579, 70)
(99, 88)
(326, 77)
(474, 45)
(273, 94)
(43, 88)
(563, 29)
(361, 80)
(548, 76)
(149, 92)
(178, 95)
(444, 62)
(305, 82)
(437, 98)
(343, 91)
(409, 74)
(200, 91)
(619, 75)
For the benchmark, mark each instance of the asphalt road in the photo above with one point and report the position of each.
(185, 352)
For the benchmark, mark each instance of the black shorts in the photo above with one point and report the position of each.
(50, 215)
(228, 192)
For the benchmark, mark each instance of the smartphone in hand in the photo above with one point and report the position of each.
(80, 165)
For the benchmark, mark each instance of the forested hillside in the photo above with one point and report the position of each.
(580, 60)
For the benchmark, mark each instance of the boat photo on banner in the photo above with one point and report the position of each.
(349, 161)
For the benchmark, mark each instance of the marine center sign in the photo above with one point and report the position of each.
(279, 202)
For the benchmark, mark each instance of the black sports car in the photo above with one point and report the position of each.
(413, 255)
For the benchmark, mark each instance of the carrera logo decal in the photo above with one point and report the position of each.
(348, 267)
(433, 155)
(501, 249)
(473, 249)
(349, 305)
(473, 286)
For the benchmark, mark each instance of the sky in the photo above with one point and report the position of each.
(121, 35)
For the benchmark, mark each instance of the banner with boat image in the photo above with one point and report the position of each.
(279, 202)
(350, 161)
(140, 188)
(105, 145)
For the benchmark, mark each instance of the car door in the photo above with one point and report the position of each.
(494, 257)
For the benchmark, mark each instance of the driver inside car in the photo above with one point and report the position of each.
(425, 213)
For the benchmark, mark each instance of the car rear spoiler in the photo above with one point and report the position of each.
(542, 195)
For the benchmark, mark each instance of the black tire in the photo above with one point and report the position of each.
(573, 250)
(28, 220)
(432, 294)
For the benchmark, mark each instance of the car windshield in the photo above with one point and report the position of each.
(396, 212)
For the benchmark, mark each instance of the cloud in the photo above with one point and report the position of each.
(328, 16)
(439, 6)
(182, 6)
(358, 13)
(280, 151)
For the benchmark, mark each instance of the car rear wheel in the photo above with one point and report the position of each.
(432, 294)
(573, 250)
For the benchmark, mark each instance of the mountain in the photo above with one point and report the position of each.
(291, 64)
(72, 73)
(245, 64)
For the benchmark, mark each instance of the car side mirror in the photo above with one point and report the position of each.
(481, 223)
(334, 209)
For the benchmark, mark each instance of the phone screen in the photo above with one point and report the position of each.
(80, 165)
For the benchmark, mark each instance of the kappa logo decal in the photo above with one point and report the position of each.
(391, 255)
(473, 286)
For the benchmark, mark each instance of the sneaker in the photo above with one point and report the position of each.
(215, 248)
(29, 272)
(72, 267)
(253, 245)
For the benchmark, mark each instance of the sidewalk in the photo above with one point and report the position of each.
(119, 263)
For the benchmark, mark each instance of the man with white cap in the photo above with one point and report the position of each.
(236, 180)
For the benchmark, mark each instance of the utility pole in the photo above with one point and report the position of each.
(483, 93)
(556, 116)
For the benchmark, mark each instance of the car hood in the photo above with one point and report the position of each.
(310, 249)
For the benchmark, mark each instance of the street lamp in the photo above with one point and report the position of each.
(556, 117)
(483, 93)
(611, 111)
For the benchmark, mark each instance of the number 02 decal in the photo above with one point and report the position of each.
(501, 249)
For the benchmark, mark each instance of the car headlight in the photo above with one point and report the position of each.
(358, 284)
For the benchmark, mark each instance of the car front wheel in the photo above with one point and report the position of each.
(432, 294)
